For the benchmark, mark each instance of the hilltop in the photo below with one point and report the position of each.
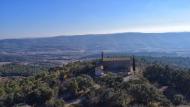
(75, 85)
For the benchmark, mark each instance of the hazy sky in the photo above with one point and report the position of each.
(40, 18)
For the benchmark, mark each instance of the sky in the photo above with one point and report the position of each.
(45, 18)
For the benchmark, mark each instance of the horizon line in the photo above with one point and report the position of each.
(92, 34)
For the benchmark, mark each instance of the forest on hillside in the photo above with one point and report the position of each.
(75, 85)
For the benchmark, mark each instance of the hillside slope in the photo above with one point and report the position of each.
(121, 42)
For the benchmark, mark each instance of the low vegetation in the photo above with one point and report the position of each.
(14, 69)
(75, 85)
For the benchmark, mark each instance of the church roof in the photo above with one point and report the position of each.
(117, 59)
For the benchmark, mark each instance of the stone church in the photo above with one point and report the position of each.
(113, 64)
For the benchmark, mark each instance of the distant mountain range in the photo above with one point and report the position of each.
(118, 42)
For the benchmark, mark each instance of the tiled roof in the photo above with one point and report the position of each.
(117, 59)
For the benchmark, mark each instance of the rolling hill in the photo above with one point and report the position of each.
(118, 42)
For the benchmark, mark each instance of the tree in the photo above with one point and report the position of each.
(134, 64)
(39, 96)
(178, 99)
